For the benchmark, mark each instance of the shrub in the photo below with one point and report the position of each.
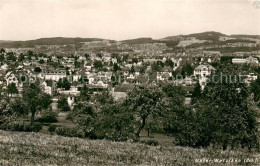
(48, 117)
(36, 127)
(23, 127)
(18, 127)
(113, 123)
(70, 132)
(93, 135)
(51, 128)
(115, 127)
(109, 121)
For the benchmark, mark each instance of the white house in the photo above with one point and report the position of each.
(88, 66)
(4, 67)
(250, 77)
(106, 58)
(163, 75)
(101, 84)
(176, 62)
(114, 60)
(71, 93)
(99, 80)
(203, 70)
(71, 100)
(47, 89)
(11, 78)
(27, 63)
(130, 76)
(118, 95)
(82, 58)
(54, 59)
(239, 60)
(250, 60)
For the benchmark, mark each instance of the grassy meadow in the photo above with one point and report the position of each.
(20, 148)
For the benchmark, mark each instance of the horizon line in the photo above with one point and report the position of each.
(7, 40)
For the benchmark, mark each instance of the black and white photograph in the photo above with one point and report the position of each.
(129, 82)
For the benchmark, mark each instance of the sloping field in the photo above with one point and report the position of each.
(18, 148)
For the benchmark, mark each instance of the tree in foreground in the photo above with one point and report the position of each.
(176, 116)
(231, 121)
(143, 103)
(113, 122)
(35, 99)
(7, 114)
(10, 110)
(226, 116)
(104, 119)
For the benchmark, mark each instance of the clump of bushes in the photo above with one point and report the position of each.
(23, 127)
(112, 123)
(36, 127)
(70, 132)
(48, 117)
(52, 129)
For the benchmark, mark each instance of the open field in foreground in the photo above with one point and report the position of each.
(18, 148)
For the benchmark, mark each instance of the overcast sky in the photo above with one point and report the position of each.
(124, 19)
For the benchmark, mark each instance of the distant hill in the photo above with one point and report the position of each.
(45, 41)
(170, 40)
(211, 35)
(139, 41)
(169, 43)
(207, 35)
(5, 41)
(246, 36)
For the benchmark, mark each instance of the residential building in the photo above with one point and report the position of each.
(54, 75)
(203, 70)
